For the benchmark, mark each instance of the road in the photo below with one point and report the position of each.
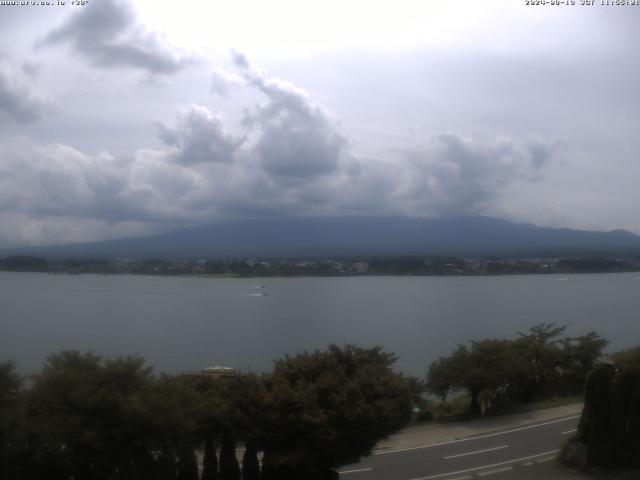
(465, 458)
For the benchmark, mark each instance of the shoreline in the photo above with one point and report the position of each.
(318, 275)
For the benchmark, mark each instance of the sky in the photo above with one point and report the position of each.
(122, 118)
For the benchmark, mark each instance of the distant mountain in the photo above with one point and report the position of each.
(347, 236)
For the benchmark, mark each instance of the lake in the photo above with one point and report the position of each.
(187, 323)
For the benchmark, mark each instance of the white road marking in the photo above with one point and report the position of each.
(570, 431)
(478, 437)
(355, 471)
(493, 472)
(548, 459)
(515, 460)
(477, 451)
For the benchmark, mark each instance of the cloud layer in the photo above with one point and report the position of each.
(107, 34)
(288, 159)
(20, 99)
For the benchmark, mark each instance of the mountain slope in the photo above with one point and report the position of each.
(333, 236)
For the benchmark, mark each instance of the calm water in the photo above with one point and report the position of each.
(189, 323)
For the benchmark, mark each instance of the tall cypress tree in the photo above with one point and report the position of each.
(620, 411)
(210, 461)
(165, 467)
(595, 424)
(250, 465)
(610, 423)
(187, 465)
(634, 424)
(229, 468)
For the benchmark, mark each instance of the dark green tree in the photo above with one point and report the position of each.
(626, 408)
(10, 420)
(98, 418)
(24, 263)
(229, 467)
(187, 465)
(579, 357)
(610, 423)
(628, 360)
(327, 409)
(90, 415)
(250, 465)
(595, 424)
(624, 428)
(165, 466)
(241, 403)
(210, 460)
(484, 371)
(173, 406)
(539, 355)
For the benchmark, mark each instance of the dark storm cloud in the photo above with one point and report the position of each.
(20, 99)
(199, 136)
(107, 33)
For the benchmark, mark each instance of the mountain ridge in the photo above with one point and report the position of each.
(348, 236)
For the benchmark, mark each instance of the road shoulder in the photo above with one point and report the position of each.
(428, 434)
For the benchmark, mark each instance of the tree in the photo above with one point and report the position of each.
(96, 418)
(540, 355)
(229, 467)
(327, 409)
(10, 419)
(595, 423)
(209, 461)
(187, 465)
(447, 373)
(610, 423)
(626, 414)
(580, 355)
(484, 371)
(24, 263)
(499, 372)
(164, 466)
(90, 415)
(10, 384)
(174, 407)
(628, 360)
(250, 465)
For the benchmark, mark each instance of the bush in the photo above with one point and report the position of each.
(574, 454)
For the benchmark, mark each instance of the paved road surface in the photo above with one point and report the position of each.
(520, 451)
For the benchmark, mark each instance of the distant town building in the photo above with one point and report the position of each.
(213, 373)
(360, 267)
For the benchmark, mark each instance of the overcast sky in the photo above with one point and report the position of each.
(121, 119)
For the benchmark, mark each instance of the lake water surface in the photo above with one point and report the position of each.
(186, 323)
